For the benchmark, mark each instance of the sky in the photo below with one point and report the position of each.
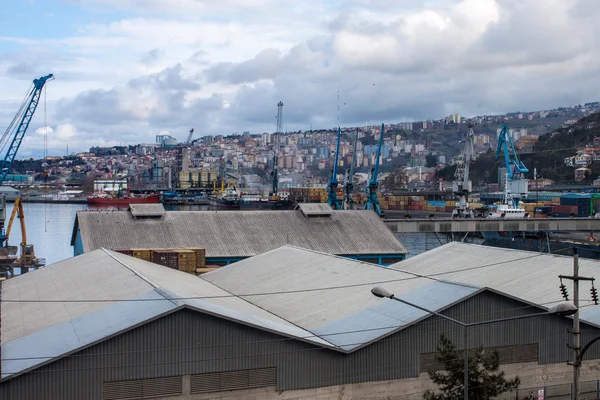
(127, 70)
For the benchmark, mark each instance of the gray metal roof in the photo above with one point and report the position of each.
(89, 298)
(238, 233)
(530, 276)
(147, 210)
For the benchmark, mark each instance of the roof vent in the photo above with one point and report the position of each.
(315, 210)
(147, 211)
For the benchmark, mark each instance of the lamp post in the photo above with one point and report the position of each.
(563, 308)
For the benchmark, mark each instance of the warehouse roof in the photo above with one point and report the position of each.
(303, 294)
(238, 233)
(73, 304)
(530, 276)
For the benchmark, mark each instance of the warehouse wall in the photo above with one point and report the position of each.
(191, 343)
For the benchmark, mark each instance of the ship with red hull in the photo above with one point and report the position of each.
(122, 201)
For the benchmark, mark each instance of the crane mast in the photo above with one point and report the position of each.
(349, 179)
(372, 202)
(274, 172)
(516, 184)
(462, 186)
(333, 183)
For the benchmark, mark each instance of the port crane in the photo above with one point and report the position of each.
(515, 169)
(275, 171)
(349, 180)
(189, 138)
(462, 186)
(332, 199)
(27, 259)
(372, 202)
(11, 141)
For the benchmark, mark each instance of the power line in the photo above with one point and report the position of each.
(415, 276)
(293, 338)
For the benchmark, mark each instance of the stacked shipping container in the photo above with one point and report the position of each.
(192, 260)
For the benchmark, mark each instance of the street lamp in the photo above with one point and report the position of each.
(562, 309)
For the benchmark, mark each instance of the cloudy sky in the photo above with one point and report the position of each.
(127, 70)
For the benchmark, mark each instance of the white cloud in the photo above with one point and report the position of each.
(223, 66)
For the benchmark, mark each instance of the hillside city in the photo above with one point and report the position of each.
(416, 150)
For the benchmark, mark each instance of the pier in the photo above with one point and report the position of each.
(441, 225)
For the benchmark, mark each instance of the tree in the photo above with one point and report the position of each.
(485, 380)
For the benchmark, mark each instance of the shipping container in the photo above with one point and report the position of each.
(168, 258)
(186, 260)
(142, 254)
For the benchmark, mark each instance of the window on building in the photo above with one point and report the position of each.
(142, 388)
(233, 380)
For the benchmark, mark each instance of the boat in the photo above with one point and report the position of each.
(506, 209)
(263, 202)
(99, 200)
(228, 198)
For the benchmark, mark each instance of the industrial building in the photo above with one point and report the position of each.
(289, 323)
(230, 236)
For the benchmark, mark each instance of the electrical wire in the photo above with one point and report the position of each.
(254, 342)
(415, 276)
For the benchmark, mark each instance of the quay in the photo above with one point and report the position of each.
(441, 225)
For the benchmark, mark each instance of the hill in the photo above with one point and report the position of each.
(547, 157)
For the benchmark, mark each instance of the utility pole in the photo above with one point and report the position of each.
(576, 329)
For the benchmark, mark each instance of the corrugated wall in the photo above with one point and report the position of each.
(187, 342)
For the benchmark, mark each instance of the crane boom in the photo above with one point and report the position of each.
(25, 114)
(333, 183)
(372, 202)
(275, 171)
(189, 138)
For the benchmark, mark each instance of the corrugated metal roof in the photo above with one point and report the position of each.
(53, 329)
(147, 210)
(239, 233)
(329, 294)
(91, 277)
(530, 276)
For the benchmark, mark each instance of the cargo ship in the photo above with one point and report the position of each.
(228, 198)
(99, 200)
(263, 202)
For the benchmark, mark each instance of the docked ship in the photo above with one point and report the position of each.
(229, 198)
(104, 200)
(264, 202)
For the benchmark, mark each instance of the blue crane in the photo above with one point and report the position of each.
(13, 136)
(372, 202)
(332, 199)
(24, 115)
(515, 169)
(349, 179)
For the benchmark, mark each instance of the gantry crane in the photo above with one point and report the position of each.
(27, 259)
(349, 180)
(372, 202)
(462, 186)
(515, 169)
(13, 136)
(332, 199)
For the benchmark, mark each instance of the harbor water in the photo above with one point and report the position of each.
(50, 226)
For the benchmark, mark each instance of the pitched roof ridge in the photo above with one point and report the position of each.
(334, 256)
(271, 313)
(135, 272)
